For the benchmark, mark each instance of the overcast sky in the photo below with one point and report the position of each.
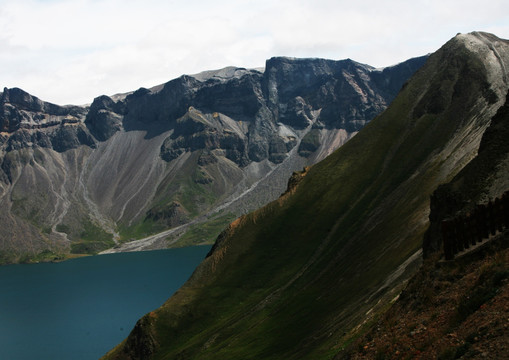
(70, 51)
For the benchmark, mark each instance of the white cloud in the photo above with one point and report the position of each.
(69, 51)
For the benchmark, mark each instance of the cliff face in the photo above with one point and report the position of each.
(295, 278)
(218, 144)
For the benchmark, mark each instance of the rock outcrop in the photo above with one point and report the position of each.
(27, 121)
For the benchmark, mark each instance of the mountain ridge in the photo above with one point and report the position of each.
(88, 178)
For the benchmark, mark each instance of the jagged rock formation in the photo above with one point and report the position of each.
(220, 142)
(293, 279)
(26, 121)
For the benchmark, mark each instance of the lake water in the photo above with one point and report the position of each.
(81, 308)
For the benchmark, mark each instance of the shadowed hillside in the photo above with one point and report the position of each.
(455, 309)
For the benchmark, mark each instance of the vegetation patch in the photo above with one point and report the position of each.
(310, 143)
(207, 232)
(195, 195)
(43, 256)
(7, 257)
(144, 228)
(63, 228)
(93, 239)
(46, 230)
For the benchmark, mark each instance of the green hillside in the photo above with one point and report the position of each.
(293, 279)
(467, 296)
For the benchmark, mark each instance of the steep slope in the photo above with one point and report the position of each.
(292, 279)
(455, 308)
(485, 178)
(43, 147)
(199, 149)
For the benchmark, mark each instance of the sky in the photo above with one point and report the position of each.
(71, 51)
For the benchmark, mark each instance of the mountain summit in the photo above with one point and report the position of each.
(296, 278)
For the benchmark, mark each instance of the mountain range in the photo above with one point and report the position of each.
(174, 164)
(309, 273)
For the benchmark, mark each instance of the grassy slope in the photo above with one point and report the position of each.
(206, 232)
(291, 279)
(454, 308)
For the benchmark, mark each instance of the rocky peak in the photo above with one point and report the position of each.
(163, 105)
(105, 117)
(344, 91)
(198, 131)
(224, 74)
(491, 50)
(20, 111)
(22, 99)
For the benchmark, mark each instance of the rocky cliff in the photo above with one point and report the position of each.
(200, 148)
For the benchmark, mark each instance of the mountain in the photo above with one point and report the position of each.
(452, 309)
(300, 277)
(189, 155)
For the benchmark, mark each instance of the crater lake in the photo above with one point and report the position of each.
(81, 308)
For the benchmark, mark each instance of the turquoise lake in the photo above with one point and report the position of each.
(81, 308)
